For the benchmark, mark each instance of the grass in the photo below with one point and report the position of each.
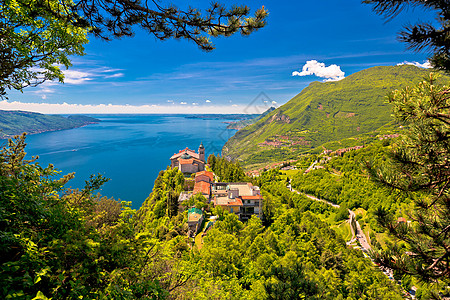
(290, 173)
(199, 240)
(198, 237)
(343, 229)
(382, 238)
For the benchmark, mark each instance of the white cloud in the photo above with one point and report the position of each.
(425, 65)
(82, 76)
(183, 103)
(116, 75)
(208, 101)
(194, 103)
(274, 102)
(47, 90)
(313, 67)
(76, 77)
(169, 101)
(67, 108)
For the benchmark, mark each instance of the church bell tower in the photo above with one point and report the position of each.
(201, 152)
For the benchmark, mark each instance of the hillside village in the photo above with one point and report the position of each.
(240, 198)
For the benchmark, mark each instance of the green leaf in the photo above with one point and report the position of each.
(40, 296)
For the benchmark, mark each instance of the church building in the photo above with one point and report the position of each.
(188, 161)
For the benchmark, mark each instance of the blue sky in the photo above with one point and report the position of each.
(142, 74)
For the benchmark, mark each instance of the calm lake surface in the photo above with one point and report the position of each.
(129, 149)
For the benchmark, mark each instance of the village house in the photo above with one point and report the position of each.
(188, 161)
(204, 176)
(195, 219)
(204, 188)
(340, 152)
(242, 199)
(202, 184)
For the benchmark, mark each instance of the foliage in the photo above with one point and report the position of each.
(419, 166)
(277, 196)
(424, 35)
(297, 257)
(35, 40)
(323, 113)
(268, 177)
(226, 170)
(64, 244)
(199, 201)
(106, 20)
(342, 213)
(345, 181)
(158, 215)
(68, 244)
(38, 36)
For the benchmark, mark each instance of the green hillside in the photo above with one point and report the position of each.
(242, 123)
(354, 107)
(16, 122)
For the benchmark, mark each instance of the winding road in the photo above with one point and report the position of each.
(357, 233)
(356, 236)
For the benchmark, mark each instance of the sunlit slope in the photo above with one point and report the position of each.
(323, 112)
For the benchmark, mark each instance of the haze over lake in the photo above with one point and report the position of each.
(129, 149)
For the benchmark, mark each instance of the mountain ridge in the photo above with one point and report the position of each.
(324, 112)
(14, 122)
(243, 123)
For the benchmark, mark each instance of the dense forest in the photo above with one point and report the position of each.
(344, 180)
(63, 244)
(227, 171)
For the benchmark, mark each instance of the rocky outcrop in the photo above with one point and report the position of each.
(280, 118)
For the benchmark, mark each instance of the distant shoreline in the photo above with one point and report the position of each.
(14, 123)
(6, 137)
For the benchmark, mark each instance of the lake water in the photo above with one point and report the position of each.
(129, 149)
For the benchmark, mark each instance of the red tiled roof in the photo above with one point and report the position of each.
(186, 161)
(236, 202)
(189, 151)
(198, 160)
(189, 161)
(206, 173)
(202, 187)
(231, 202)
